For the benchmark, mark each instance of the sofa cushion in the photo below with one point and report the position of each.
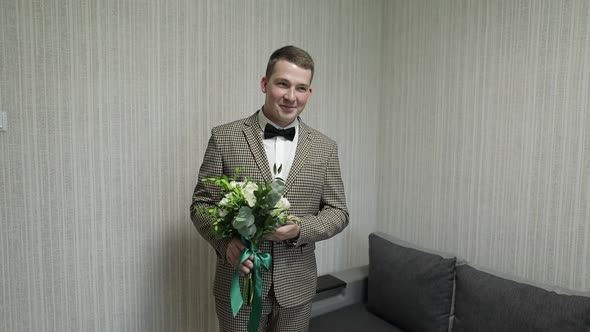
(485, 302)
(352, 318)
(409, 288)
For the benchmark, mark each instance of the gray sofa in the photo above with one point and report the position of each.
(410, 289)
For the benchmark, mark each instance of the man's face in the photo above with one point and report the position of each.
(287, 91)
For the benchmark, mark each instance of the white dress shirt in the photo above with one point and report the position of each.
(279, 150)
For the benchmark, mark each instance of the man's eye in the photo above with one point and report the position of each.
(282, 84)
(302, 89)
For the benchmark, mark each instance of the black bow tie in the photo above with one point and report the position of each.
(271, 131)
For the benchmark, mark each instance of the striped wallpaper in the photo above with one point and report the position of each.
(489, 152)
(110, 104)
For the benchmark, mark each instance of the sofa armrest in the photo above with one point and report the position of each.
(336, 298)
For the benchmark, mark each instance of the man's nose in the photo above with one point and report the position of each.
(290, 94)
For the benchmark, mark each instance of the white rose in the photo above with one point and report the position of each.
(283, 204)
(248, 192)
(224, 201)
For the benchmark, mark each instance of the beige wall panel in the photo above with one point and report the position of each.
(110, 104)
(489, 153)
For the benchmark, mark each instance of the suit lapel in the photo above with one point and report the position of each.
(253, 135)
(304, 145)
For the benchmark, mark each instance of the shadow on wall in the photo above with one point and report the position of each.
(179, 296)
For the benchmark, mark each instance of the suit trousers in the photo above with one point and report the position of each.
(274, 318)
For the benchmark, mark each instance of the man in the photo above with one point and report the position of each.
(314, 188)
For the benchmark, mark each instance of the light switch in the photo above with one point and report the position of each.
(3, 121)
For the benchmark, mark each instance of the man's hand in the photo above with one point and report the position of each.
(234, 253)
(290, 230)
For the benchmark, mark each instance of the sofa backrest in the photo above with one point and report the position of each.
(486, 302)
(410, 288)
(418, 289)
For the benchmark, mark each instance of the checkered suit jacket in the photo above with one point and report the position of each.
(314, 188)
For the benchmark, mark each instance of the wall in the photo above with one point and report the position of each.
(110, 104)
(488, 155)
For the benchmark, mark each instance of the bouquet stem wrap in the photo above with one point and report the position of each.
(253, 288)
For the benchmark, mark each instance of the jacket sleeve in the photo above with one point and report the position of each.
(206, 194)
(332, 217)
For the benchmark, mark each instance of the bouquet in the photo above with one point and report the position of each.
(248, 210)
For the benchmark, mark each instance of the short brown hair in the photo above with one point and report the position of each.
(292, 54)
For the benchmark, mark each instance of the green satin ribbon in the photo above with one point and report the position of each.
(260, 260)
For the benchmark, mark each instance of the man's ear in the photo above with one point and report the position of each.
(263, 83)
